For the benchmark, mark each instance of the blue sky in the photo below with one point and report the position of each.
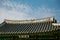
(29, 9)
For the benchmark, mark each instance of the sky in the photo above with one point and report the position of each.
(29, 9)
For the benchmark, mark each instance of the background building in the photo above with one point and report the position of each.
(37, 29)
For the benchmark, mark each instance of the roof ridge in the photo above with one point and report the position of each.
(29, 21)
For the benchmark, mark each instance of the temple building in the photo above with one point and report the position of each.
(36, 29)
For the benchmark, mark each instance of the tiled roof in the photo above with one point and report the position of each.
(28, 26)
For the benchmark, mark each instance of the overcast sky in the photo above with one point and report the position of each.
(29, 9)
